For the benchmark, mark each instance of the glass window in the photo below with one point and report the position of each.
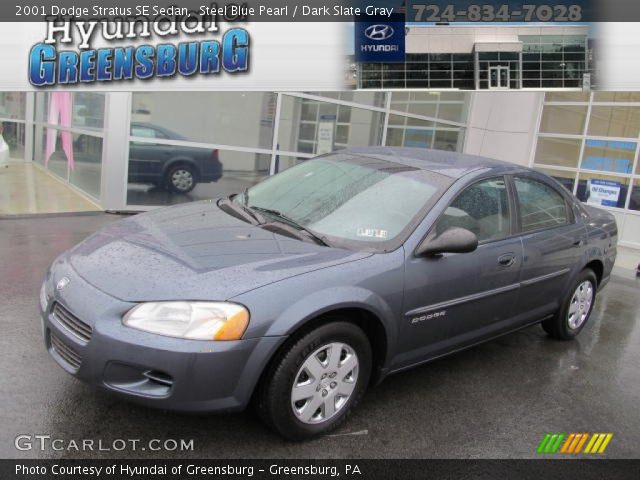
(567, 97)
(416, 122)
(315, 127)
(83, 109)
(443, 105)
(145, 131)
(615, 122)
(567, 179)
(634, 201)
(482, 208)
(88, 110)
(168, 174)
(348, 198)
(285, 161)
(610, 156)
(616, 97)
(454, 112)
(422, 108)
(602, 190)
(541, 206)
(12, 105)
(419, 138)
(375, 99)
(395, 137)
(51, 152)
(446, 140)
(14, 135)
(86, 169)
(558, 151)
(72, 156)
(227, 118)
(580, 40)
(563, 119)
(529, 39)
(399, 120)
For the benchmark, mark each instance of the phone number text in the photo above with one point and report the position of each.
(494, 13)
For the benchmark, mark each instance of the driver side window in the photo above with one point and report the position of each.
(482, 208)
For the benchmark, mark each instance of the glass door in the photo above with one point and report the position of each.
(498, 77)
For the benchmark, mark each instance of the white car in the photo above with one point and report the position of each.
(4, 153)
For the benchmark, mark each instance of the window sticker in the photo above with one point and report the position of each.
(372, 233)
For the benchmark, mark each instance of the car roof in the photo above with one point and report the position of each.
(171, 135)
(451, 164)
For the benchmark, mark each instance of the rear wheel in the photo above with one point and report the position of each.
(181, 178)
(316, 381)
(575, 310)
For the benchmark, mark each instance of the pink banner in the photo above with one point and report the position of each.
(60, 113)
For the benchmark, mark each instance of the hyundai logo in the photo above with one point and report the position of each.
(64, 281)
(378, 32)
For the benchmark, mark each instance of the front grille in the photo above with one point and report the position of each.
(72, 323)
(67, 353)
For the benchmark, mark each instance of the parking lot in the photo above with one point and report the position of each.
(496, 400)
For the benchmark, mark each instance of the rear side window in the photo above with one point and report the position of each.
(482, 208)
(541, 206)
(146, 132)
(143, 132)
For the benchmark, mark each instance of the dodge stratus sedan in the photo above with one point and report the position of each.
(300, 292)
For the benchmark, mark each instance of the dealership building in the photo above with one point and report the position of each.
(82, 151)
(486, 57)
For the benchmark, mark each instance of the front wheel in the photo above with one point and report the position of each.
(575, 310)
(316, 381)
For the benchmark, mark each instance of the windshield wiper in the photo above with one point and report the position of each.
(240, 211)
(320, 239)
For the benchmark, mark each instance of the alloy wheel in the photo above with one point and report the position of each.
(324, 383)
(182, 179)
(580, 305)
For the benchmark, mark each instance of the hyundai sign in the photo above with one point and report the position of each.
(380, 39)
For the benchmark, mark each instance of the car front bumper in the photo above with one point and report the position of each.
(84, 334)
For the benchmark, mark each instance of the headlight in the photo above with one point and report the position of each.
(44, 300)
(193, 320)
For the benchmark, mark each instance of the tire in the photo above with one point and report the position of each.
(181, 178)
(576, 308)
(292, 414)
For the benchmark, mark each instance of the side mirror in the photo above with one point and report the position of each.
(452, 240)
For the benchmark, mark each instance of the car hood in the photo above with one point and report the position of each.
(195, 252)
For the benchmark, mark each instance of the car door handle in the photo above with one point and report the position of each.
(577, 243)
(507, 259)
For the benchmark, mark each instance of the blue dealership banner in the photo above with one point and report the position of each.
(380, 38)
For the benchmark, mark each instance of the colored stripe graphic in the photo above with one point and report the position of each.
(543, 443)
(573, 443)
(598, 443)
(551, 442)
(557, 443)
(566, 445)
(581, 443)
(605, 443)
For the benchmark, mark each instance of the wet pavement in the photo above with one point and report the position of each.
(496, 400)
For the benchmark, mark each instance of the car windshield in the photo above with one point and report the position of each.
(350, 200)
